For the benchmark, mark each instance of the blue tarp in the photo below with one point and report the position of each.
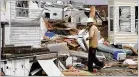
(49, 34)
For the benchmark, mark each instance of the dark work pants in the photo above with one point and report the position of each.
(92, 59)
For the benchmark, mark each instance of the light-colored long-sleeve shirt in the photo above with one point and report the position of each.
(93, 32)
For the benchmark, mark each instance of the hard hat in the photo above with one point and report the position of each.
(90, 20)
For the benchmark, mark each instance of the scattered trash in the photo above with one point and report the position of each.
(114, 72)
(135, 72)
(129, 62)
(75, 72)
(133, 66)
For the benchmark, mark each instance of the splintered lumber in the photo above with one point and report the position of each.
(47, 24)
(73, 31)
(104, 13)
(2, 74)
(59, 25)
(54, 24)
(81, 73)
(76, 72)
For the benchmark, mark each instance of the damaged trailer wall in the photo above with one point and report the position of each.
(25, 35)
(18, 32)
(16, 67)
(53, 12)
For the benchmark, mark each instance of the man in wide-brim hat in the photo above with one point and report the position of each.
(93, 43)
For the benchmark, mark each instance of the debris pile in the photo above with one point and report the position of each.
(75, 72)
(118, 63)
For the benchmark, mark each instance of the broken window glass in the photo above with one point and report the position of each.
(22, 12)
(136, 18)
(125, 25)
(2, 5)
(136, 12)
(111, 12)
(111, 24)
(111, 18)
(23, 4)
(22, 9)
(125, 19)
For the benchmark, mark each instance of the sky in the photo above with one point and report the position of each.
(97, 2)
(88, 2)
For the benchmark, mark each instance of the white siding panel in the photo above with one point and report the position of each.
(126, 38)
(58, 11)
(7, 35)
(132, 19)
(13, 10)
(116, 19)
(25, 35)
(34, 13)
(127, 2)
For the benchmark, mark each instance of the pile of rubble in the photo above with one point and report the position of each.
(58, 32)
(116, 72)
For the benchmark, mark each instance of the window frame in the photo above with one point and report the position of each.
(123, 19)
(111, 18)
(16, 7)
(136, 20)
